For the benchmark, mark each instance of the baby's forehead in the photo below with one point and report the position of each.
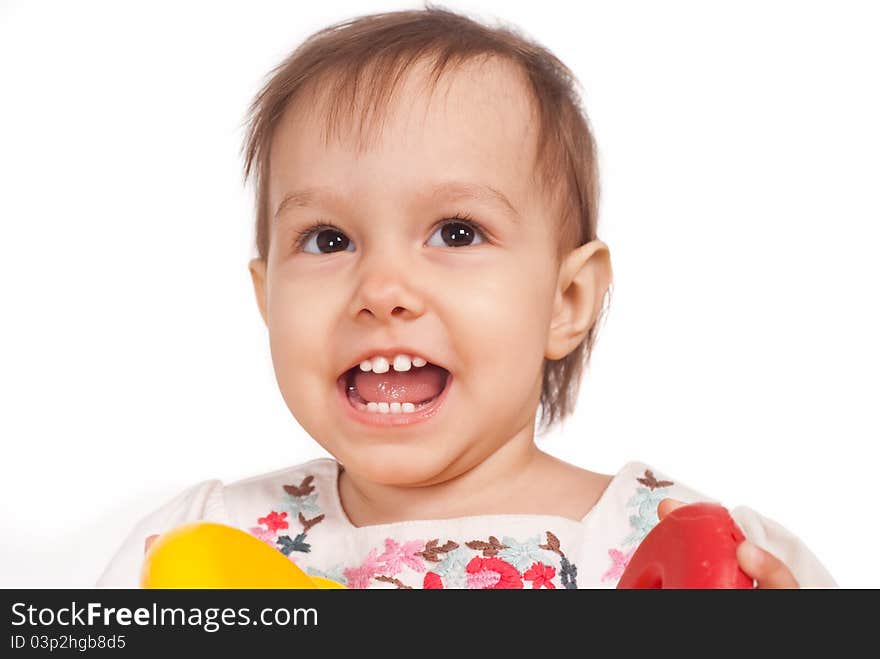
(477, 118)
(365, 99)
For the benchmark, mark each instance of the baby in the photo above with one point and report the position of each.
(430, 276)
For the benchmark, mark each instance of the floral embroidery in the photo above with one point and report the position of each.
(568, 571)
(644, 501)
(483, 563)
(360, 577)
(432, 552)
(490, 548)
(651, 482)
(492, 573)
(274, 521)
(335, 574)
(452, 569)
(521, 554)
(297, 544)
(303, 489)
(540, 575)
(309, 523)
(432, 581)
(459, 568)
(301, 505)
(265, 535)
(297, 499)
(396, 582)
(302, 498)
(396, 555)
(619, 561)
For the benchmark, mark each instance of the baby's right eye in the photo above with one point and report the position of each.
(325, 237)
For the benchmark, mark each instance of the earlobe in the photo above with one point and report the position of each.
(257, 268)
(584, 278)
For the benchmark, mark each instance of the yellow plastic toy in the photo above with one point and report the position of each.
(210, 555)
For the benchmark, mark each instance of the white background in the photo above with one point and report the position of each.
(739, 160)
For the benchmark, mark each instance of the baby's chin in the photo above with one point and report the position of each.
(402, 466)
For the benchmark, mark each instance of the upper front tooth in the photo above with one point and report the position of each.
(399, 363)
(380, 365)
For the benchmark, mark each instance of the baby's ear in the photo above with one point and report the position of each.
(584, 277)
(258, 275)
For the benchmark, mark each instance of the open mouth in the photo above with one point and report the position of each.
(395, 393)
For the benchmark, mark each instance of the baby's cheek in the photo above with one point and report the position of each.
(305, 378)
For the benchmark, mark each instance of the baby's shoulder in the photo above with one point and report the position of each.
(306, 476)
(637, 489)
(309, 488)
(254, 503)
(639, 484)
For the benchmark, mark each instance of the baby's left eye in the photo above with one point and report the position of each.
(457, 233)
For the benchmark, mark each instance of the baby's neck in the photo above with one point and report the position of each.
(514, 480)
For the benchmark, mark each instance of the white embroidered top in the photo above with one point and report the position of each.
(298, 512)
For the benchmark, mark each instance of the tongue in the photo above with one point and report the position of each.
(413, 386)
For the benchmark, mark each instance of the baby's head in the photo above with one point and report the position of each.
(425, 185)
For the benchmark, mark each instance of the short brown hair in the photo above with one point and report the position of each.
(384, 47)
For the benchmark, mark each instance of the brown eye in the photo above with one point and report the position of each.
(324, 240)
(458, 233)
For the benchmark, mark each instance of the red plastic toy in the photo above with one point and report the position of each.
(694, 546)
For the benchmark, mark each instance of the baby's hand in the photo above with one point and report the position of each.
(150, 539)
(760, 565)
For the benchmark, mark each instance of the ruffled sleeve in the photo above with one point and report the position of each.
(203, 501)
(782, 543)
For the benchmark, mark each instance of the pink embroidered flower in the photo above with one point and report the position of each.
(432, 581)
(360, 577)
(397, 555)
(264, 534)
(483, 580)
(480, 574)
(619, 561)
(541, 575)
(275, 521)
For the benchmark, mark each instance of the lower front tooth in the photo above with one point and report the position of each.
(390, 408)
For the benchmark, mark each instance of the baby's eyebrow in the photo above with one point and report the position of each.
(311, 196)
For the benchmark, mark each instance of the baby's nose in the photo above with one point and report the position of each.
(388, 293)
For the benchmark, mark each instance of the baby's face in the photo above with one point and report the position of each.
(396, 271)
